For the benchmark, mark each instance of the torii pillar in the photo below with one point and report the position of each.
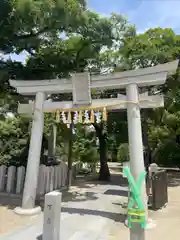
(136, 151)
(135, 135)
(32, 169)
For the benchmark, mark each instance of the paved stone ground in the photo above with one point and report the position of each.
(88, 211)
(93, 211)
(88, 215)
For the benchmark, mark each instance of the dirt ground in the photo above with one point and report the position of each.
(167, 220)
(9, 221)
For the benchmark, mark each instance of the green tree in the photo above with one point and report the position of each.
(123, 153)
(25, 24)
(60, 37)
(14, 141)
(60, 58)
(156, 46)
(84, 146)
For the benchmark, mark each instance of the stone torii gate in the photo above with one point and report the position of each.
(81, 85)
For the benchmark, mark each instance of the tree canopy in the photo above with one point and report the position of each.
(64, 37)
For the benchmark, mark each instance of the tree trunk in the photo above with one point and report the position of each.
(104, 173)
(114, 154)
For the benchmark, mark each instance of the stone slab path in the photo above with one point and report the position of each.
(93, 211)
(87, 214)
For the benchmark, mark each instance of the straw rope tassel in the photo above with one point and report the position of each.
(104, 114)
(58, 116)
(92, 116)
(69, 117)
(80, 120)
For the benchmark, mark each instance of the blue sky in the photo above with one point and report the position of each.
(144, 14)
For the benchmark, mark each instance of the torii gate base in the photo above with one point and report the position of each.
(130, 80)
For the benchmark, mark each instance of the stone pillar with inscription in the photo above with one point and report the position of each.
(52, 216)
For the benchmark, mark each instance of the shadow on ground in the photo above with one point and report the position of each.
(10, 201)
(122, 193)
(173, 178)
(121, 204)
(116, 179)
(117, 217)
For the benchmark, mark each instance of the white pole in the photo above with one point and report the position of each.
(52, 216)
(135, 149)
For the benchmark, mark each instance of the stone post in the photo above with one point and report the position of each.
(20, 179)
(52, 216)
(32, 171)
(2, 177)
(11, 176)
